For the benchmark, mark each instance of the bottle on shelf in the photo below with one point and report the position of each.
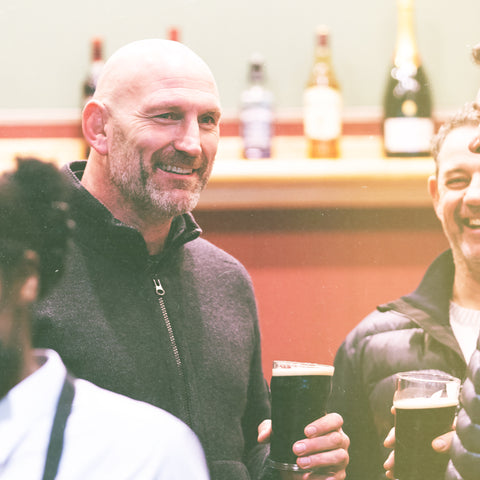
(408, 125)
(173, 33)
(94, 69)
(90, 82)
(256, 112)
(322, 102)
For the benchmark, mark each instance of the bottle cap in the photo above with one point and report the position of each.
(174, 34)
(97, 44)
(322, 33)
(256, 58)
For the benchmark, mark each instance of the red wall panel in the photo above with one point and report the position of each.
(317, 274)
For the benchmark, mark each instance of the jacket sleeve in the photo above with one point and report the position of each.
(465, 449)
(351, 402)
(257, 410)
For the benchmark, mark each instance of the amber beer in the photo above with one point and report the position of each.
(299, 396)
(423, 411)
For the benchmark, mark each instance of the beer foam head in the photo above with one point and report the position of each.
(285, 368)
(426, 386)
(425, 402)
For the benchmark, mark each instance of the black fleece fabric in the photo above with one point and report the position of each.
(178, 330)
(411, 333)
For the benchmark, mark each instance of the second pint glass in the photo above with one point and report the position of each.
(425, 403)
(299, 396)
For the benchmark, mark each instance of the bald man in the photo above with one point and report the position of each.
(146, 307)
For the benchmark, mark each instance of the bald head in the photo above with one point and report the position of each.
(144, 61)
(153, 126)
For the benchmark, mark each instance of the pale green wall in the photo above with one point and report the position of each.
(45, 44)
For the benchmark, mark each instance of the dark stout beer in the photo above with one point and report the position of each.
(417, 422)
(299, 396)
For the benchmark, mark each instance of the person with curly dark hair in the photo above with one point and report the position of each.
(51, 422)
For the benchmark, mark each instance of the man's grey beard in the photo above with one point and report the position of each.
(167, 205)
(140, 191)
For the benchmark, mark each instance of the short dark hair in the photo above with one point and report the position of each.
(468, 115)
(34, 216)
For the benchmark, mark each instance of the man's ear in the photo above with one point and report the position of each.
(433, 191)
(93, 126)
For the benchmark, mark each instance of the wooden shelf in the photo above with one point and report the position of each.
(361, 178)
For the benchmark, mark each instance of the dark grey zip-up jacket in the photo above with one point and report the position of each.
(411, 333)
(178, 330)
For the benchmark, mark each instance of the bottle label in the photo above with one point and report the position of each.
(408, 135)
(322, 115)
(256, 125)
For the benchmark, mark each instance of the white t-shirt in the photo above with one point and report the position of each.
(465, 324)
(107, 437)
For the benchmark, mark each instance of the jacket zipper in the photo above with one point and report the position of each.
(159, 290)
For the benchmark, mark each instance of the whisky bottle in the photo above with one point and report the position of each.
(322, 102)
(91, 79)
(94, 69)
(407, 125)
(256, 112)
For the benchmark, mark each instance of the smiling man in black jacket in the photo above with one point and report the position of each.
(434, 327)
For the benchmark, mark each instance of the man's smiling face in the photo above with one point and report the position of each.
(163, 132)
(456, 195)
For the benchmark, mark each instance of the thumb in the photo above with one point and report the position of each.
(264, 431)
(442, 443)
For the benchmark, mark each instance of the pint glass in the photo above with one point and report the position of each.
(299, 396)
(425, 403)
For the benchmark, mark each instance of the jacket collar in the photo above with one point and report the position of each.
(428, 305)
(100, 230)
(435, 290)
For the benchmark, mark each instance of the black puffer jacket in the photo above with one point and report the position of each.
(465, 451)
(411, 333)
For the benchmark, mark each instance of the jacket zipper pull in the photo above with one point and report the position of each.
(158, 287)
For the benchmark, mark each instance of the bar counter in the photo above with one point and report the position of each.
(361, 178)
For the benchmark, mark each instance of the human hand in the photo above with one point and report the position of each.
(440, 444)
(389, 464)
(324, 451)
(264, 431)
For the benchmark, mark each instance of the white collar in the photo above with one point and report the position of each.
(33, 398)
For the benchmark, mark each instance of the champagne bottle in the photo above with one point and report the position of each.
(408, 125)
(322, 101)
(256, 112)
